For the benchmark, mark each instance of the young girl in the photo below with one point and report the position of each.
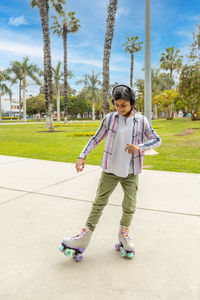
(128, 134)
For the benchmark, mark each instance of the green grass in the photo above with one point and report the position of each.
(177, 153)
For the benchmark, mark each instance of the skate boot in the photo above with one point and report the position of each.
(78, 243)
(125, 243)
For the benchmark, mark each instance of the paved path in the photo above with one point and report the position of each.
(41, 202)
(20, 123)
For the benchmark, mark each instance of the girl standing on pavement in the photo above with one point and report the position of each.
(128, 135)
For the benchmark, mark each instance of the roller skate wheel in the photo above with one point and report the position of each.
(130, 254)
(117, 247)
(123, 253)
(74, 254)
(67, 252)
(61, 248)
(79, 257)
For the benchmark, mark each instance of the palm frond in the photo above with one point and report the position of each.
(34, 3)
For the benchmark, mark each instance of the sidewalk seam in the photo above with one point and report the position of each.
(65, 180)
(91, 201)
(10, 162)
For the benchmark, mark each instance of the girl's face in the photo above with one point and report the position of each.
(122, 106)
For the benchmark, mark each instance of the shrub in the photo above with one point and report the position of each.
(8, 118)
(76, 125)
(89, 133)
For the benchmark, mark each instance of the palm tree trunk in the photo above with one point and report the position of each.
(48, 91)
(147, 82)
(24, 100)
(171, 114)
(0, 109)
(155, 112)
(93, 109)
(58, 104)
(20, 82)
(10, 108)
(131, 73)
(171, 77)
(112, 8)
(65, 71)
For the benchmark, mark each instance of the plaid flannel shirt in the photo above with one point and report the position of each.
(143, 135)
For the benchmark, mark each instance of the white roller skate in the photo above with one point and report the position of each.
(125, 244)
(78, 243)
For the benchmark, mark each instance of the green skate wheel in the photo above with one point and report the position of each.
(67, 252)
(74, 254)
(61, 248)
(130, 254)
(123, 253)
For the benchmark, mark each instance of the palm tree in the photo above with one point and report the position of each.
(16, 70)
(91, 84)
(3, 89)
(26, 70)
(10, 93)
(43, 6)
(69, 24)
(57, 75)
(1, 75)
(111, 11)
(132, 46)
(171, 60)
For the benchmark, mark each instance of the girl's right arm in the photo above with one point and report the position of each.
(93, 142)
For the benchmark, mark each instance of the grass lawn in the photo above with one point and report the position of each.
(177, 153)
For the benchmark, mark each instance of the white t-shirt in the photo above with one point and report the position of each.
(121, 163)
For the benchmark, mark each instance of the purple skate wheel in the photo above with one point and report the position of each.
(117, 247)
(79, 257)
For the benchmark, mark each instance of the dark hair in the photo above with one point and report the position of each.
(123, 92)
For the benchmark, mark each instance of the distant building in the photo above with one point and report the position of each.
(14, 107)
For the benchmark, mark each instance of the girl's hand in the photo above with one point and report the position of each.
(132, 148)
(80, 165)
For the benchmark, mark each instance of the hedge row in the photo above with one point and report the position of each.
(89, 133)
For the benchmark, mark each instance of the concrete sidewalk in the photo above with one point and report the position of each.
(41, 202)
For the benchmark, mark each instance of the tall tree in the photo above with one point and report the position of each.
(27, 70)
(91, 84)
(132, 46)
(190, 78)
(195, 47)
(36, 105)
(3, 89)
(189, 89)
(1, 75)
(140, 95)
(172, 61)
(57, 75)
(111, 12)
(16, 71)
(68, 24)
(160, 82)
(43, 6)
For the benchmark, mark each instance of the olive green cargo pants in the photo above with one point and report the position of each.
(107, 184)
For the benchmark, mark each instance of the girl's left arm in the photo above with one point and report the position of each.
(151, 135)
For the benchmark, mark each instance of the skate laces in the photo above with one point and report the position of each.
(81, 234)
(125, 232)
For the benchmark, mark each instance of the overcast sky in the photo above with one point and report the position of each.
(172, 23)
